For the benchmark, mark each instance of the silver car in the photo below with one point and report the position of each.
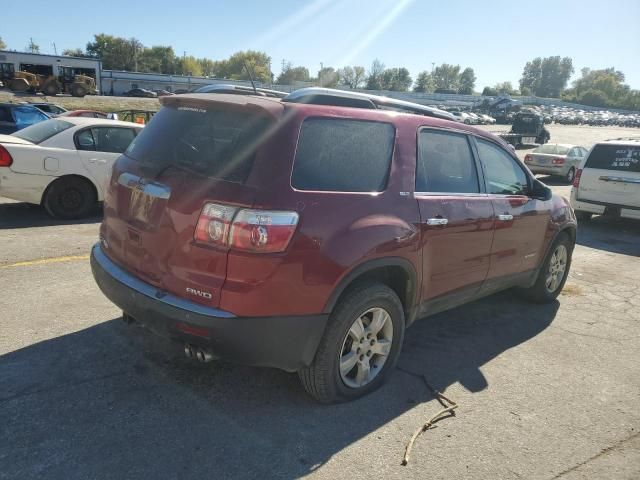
(557, 159)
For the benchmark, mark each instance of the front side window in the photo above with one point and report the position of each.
(503, 175)
(343, 155)
(445, 163)
(112, 140)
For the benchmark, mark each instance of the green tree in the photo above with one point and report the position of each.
(525, 91)
(490, 92)
(603, 88)
(234, 67)
(159, 59)
(328, 77)
(467, 81)
(74, 52)
(505, 87)
(547, 77)
(396, 79)
(446, 77)
(290, 75)
(3, 45)
(189, 65)
(354, 77)
(374, 79)
(116, 53)
(424, 83)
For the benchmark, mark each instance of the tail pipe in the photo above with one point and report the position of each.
(200, 354)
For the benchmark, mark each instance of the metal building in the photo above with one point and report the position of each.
(42, 64)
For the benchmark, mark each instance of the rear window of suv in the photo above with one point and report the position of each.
(216, 143)
(343, 155)
(624, 158)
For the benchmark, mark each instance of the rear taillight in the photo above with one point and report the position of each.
(262, 231)
(6, 160)
(214, 224)
(527, 158)
(576, 179)
(558, 161)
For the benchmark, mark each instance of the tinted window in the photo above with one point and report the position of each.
(625, 158)
(42, 131)
(343, 155)
(111, 139)
(85, 141)
(216, 143)
(502, 173)
(445, 163)
(5, 115)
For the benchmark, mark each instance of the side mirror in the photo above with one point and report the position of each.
(540, 191)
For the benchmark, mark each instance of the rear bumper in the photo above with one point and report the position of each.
(549, 170)
(599, 208)
(288, 343)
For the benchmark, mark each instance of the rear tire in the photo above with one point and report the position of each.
(50, 89)
(553, 274)
(330, 379)
(582, 216)
(69, 198)
(571, 174)
(78, 90)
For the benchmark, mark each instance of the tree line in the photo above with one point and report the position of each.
(542, 77)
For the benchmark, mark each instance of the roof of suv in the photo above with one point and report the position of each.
(275, 108)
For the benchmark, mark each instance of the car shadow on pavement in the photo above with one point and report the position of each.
(112, 402)
(26, 215)
(616, 235)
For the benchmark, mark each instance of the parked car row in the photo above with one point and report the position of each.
(472, 118)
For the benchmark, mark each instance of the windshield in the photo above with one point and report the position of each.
(215, 143)
(552, 149)
(42, 131)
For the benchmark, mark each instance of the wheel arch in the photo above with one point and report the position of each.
(396, 272)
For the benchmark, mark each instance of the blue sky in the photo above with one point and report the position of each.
(496, 38)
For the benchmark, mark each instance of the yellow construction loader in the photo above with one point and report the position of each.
(66, 82)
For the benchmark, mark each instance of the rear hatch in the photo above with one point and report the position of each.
(197, 149)
(611, 175)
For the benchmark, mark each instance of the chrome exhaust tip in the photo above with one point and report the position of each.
(189, 351)
(203, 356)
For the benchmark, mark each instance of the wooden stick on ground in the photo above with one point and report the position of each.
(448, 411)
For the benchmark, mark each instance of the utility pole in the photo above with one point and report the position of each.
(433, 64)
(320, 73)
(55, 50)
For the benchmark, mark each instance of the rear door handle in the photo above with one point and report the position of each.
(505, 217)
(437, 221)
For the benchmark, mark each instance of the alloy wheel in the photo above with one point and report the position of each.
(366, 347)
(557, 267)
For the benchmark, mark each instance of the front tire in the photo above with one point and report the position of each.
(69, 198)
(360, 346)
(554, 272)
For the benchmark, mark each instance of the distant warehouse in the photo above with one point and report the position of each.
(41, 64)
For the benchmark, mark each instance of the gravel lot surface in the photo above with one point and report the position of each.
(544, 392)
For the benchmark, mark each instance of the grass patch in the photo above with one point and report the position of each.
(90, 102)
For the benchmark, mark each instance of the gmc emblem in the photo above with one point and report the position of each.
(199, 293)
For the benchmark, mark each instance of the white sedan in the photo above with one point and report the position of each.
(63, 164)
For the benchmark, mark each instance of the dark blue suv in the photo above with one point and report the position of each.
(14, 117)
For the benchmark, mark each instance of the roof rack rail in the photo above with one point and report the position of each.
(624, 139)
(343, 98)
(239, 90)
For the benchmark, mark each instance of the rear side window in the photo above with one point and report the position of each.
(445, 163)
(42, 131)
(215, 143)
(105, 139)
(343, 155)
(623, 158)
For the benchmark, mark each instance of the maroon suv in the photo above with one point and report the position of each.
(309, 237)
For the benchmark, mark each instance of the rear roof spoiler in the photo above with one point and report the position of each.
(330, 96)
